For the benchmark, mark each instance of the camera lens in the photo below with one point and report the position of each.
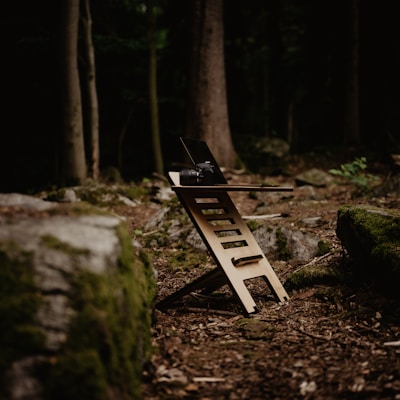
(189, 177)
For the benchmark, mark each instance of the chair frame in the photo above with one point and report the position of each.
(229, 240)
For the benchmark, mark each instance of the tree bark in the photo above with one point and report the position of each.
(155, 126)
(207, 117)
(92, 109)
(73, 162)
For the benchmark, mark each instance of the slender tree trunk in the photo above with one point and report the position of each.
(92, 109)
(155, 126)
(352, 111)
(207, 104)
(73, 163)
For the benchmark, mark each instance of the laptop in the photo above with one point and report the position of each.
(199, 152)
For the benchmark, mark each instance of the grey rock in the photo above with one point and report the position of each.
(56, 248)
(315, 177)
(24, 201)
(288, 243)
(372, 238)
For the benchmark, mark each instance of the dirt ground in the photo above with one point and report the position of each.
(336, 341)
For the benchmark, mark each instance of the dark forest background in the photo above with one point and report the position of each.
(285, 62)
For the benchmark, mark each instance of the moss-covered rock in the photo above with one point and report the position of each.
(314, 275)
(19, 303)
(372, 237)
(75, 305)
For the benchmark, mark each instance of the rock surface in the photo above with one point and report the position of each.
(75, 302)
(169, 226)
(372, 237)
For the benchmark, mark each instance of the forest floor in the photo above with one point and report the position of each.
(329, 341)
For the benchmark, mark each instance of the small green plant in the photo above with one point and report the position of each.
(354, 172)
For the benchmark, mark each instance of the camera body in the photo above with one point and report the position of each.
(202, 174)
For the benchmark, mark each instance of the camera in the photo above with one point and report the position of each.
(202, 174)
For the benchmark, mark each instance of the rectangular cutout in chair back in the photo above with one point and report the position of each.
(227, 232)
(202, 200)
(220, 221)
(234, 244)
(213, 210)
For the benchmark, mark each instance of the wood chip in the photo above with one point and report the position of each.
(209, 379)
(396, 343)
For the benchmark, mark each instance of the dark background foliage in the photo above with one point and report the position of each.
(304, 47)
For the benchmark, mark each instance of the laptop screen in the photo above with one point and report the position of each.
(199, 152)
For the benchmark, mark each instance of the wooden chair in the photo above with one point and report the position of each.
(229, 240)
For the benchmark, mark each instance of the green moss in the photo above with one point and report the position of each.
(377, 224)
(54, 243)
(106, 196)
(134, 192)
(109, 337)
(389, 254)
(323, 248)
(253, 224)
(149, 274)
(281, 244)
(56, 195)
(98, 196)
(372, 235)
(71, 370)
(19, 302)
(314, 275)
(183, 258)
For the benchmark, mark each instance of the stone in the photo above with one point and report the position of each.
(172, 226)
(372, 238)
(75, 302)
(314, 177)
(285, 243)
(24, 201)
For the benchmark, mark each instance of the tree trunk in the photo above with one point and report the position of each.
(155, 126)
(352, 102)
(207, 117)
(92, 109)
(73, 163)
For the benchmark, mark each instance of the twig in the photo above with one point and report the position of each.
(265, 216)
(209, 311)
(314, 336)
(312, 262)
(150, 233)
(395, 343)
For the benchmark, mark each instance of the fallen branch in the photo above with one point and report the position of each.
(150, 233)
(312, 262)
(396, 343)
(208, 379)
(315, 336)
(265, 216)
(208, 310)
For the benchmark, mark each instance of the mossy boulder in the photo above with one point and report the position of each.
(75, 303)
(372, 238)
(311, 275)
